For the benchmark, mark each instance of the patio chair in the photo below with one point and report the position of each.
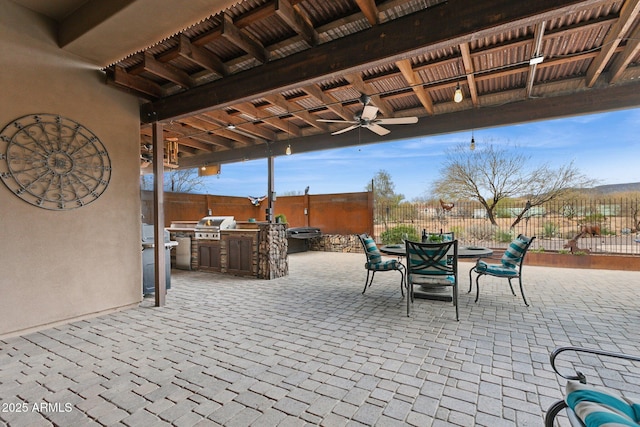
(432, 264)
(510, 266)
(593, 406)
(375, 263)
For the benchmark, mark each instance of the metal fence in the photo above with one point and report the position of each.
(603, 225)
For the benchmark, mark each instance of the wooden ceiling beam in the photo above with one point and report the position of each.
(251, 110)
(500, 114)
(250, 128)
(167, 72)
(296, 21)
(330, 102)
(453, 22)
(469, 72)
(203, 57)
(280, 101)
(536, 52)
(628, 15)
(414, 80)
(369, 10)
(146, 88)
(358, 84)
(205, 127)
(245, 42)
(630, 50)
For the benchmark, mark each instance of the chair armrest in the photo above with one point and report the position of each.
(579, 376)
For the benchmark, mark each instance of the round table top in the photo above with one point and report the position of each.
(463, 251)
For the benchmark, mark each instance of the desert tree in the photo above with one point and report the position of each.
(384, 189)
(177, 181)
(495, 173)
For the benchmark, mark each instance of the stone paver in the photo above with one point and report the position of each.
(310, 349)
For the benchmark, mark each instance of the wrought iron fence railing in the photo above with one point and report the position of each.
(602, 225)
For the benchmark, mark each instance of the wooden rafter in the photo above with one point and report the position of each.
(296, 21)
(469, 72)
(629, 52)
(330, 102)
(243, 40)
(628, 15)
(304, 115)
(283, 125)
(167, 72)
(358, 84)
(250, 128)
(413, 79)
(202, 57)
(536, 52)
(369, 10)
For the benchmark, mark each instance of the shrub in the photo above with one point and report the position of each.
(503, 236)
(396, 234)
(481, 231)
(457, 231)
(549, 229)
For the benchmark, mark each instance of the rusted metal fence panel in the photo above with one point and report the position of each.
(343, 213)
(606, 225)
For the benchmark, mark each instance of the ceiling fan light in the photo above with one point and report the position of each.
(457, 96)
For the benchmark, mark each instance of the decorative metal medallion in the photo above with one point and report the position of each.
(52, 162)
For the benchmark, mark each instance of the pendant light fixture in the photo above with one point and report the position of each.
(457, 95)
(472, 145)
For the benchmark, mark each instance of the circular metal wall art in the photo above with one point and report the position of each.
(53, 162)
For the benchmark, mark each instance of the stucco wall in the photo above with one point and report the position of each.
(60, 265)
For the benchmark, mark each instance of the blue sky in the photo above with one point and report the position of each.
(603, 146)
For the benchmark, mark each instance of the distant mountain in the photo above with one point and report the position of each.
(617, 188)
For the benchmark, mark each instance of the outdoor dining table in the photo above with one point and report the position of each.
(435, 292)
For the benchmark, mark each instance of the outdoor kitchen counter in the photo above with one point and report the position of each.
(259, 252)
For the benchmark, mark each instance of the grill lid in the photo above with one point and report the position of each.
(215, 223)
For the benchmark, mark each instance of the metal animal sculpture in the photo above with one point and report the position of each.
(255, 201)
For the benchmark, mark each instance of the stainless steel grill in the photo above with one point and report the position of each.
(208, 228)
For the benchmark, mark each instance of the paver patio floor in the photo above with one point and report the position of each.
(310, 349)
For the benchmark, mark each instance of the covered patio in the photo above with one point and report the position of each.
(309, 348)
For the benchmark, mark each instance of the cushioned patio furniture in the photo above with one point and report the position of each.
(375, 262)
(432, 264)
(591, 406)
(510, 266)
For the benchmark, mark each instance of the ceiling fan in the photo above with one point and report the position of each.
(367, 118)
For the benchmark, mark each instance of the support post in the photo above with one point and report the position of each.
(158, 215)
(271, 194)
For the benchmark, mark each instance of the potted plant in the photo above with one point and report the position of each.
(281, 219)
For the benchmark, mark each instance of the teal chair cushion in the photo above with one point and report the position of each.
(391, 264)
(373, 254)
(496, 269)
(596, 407)
(513, 254)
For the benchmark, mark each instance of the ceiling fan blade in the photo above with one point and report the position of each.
(336, 121)
(369, 112)
(398, 121)
(345, 130)
(378, 129)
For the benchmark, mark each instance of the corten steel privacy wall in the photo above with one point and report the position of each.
(344, 213)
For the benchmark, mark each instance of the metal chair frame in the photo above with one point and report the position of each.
(558, 406)
(447, 251)
(367, 282)
(517, 276)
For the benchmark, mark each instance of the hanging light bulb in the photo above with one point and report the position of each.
(457, 96)
(288, 150)
(472, 146)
